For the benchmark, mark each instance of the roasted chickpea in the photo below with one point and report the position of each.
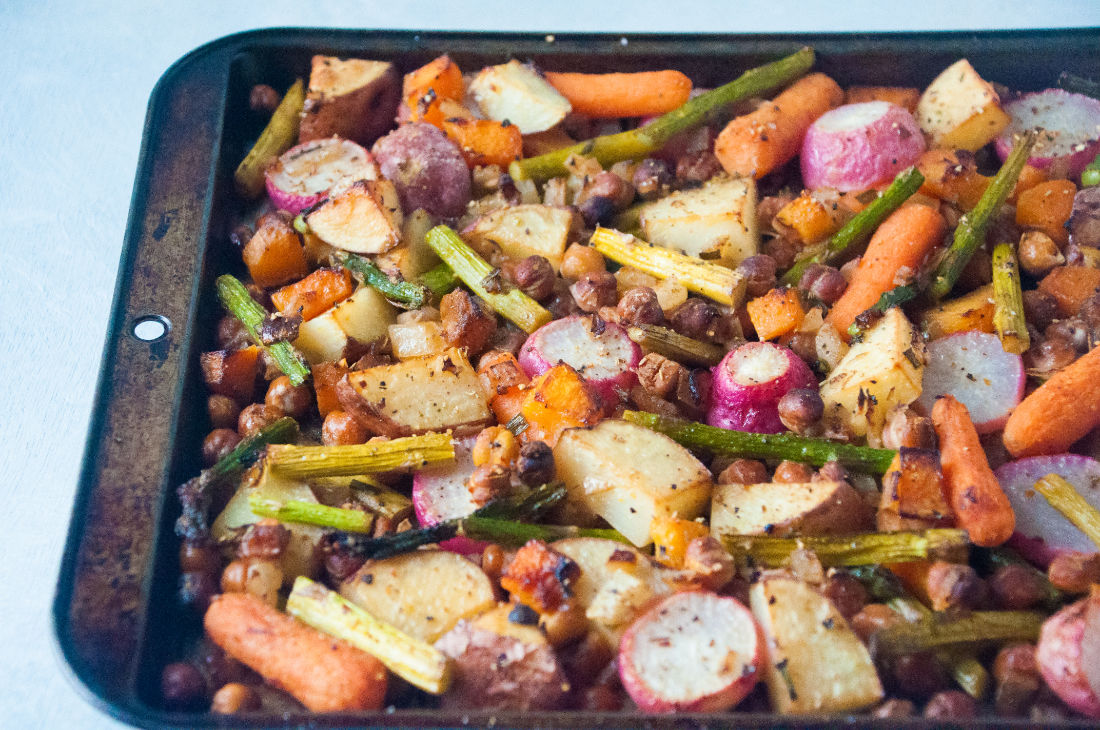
(847, 594)
(340, 429)
(824, 283)
(289, 399)
(744, 471)
(1039, 253)
(535, 465)
(182, 686)
(261, 578)
(759, 273)
(801, 409)
(955, 585)
(872, 618)
(223, 411)
(496, 446)
(580, 260)
(233, 698)
(1040, 309)
(264, 540)
(232, 335)
(217, 444)
(594, 290)
(695, 168)
(197, 589)
(951, 705)
(709, 563)
(1016, 587)
(199, 556)
(535, 277)
(492, 561)
(652, 178)
(263, 98)
(255, 417)
(919, 675)
(792, 472)
(640, 306)
(1074, 572)
(697, 318)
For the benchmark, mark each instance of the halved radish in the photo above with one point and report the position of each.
(601, 352)
(1067, 655)
(1071, 130)
(857, 146)
(973, 367)
(692, 652)
(304, 175)
(748, 384)
(439, 493)
(1042, 531)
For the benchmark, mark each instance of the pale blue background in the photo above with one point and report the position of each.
(75, 80)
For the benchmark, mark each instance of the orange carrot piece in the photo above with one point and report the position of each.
(232, 373)
(1071, 286)
(980, 505)
(323, 673)
(274, 255)
(315, 294)
(560, 399)
(1047, 207)
(424, 88)
(913, 574)
(615, 95)
(485, 141)
(325, 377)
(895, 252)
(952, 179)
(764, 140)
(903, 96)
(777, 313)
(1058, 413)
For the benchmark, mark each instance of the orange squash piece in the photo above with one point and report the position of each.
(777, 313)
(315, 294)
(1047, 207)
(275, 254)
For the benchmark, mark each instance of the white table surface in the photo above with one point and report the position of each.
(77, 77)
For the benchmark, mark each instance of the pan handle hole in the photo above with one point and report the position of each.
(150, 327)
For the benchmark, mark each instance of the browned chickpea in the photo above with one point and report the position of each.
(1039, 253)
(1018, 680)
(265, 540)
(580, 260)
(640, 306)
(1016, 587)
(223, 411)
(823, 282)
(232, 335)
(872, 618)
(1049, 355)
(535, 465)
(782, 250)
(233, 698)
(495, 445)
(801, 409)
(955, 585)
(1073, 330)
(199, 556)
(488, 482)
(289, 399)
(709, 563)
(804, 344)
(659, 375)
(340, 429)
(697, 318)
(652, 178)
(594, 290)
(1040, 309)
(535, 277)
(847, 594)
(951, 705)
(744, 471)
(1074, 572)
(492, 561)
(261, 578)
(255, 417)
(792, 472)
(182, 686)
(695, 168)
(263, 98)
(584, 661)
(197, 589)
(894, 707)
(217, 444)
(759, 273)
(919, 675)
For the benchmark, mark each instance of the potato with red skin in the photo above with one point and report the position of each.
(427, 168)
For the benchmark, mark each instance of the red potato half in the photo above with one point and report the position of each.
(304, 175)
(1067, 655)
(439, 493)
(973, 367)
(1071, 130)
(748, 384)
(692, 652)
(601, 352)
(857, 146)
(1042, 531)
(427, 168)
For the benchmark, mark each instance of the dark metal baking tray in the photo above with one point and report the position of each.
(115, 614)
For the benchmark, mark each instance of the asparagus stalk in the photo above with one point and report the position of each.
(979, 627)
(1079, 84)
(527, 505)
(894, 298)
(304, 462)
(278, 136)
(476, 273)
(869, 548)
(645, 140)
(440, 280)
(1008, 301)
(311, 513)
(1063, 497)
(236, 299)
(415, 661)
(970, 233)
(383, 501)
(517, 533)
(672, 344)
(405, 293)
(725, 286)
(740, 444)
(195, 495)
(858, 230)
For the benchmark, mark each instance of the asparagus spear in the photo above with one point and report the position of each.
(672, 344)
(725, 286)
(236, 299)
(485, 281)
(278, 136)
(311, 513)
(413, 660)
(1008, 301)
(440, 280)
(970, 233)
(405, 293)
(645, 140)
(303, 462)
(740, 444)
(869, 548)
(894, 298)
(383, 501)
(979, 627)
(858, 230)
(1063, 497)
(517, 533)
(195, 494)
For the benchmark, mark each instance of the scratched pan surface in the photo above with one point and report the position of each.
(115, 613)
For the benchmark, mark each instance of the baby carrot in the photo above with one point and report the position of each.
(324, 674)
(1059, 412)
(762, 141)
(622, 94)
(980, 505)
(895, 252)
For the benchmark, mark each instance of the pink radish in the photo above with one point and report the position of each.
(857, 146)
(600, 351)
(1068, 655)
(305, 174)
(1071, 130)
(1042, 531)
(440, 493)
(692, 652)
(748, 384)
(973, 367)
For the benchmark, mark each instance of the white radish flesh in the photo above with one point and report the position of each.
(440, 493)
(973, 367)
(1042, 531)
(692, 652)
(601, 352)
(857, 146)
(748, 384)
(304, 175)
(1070, 125)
